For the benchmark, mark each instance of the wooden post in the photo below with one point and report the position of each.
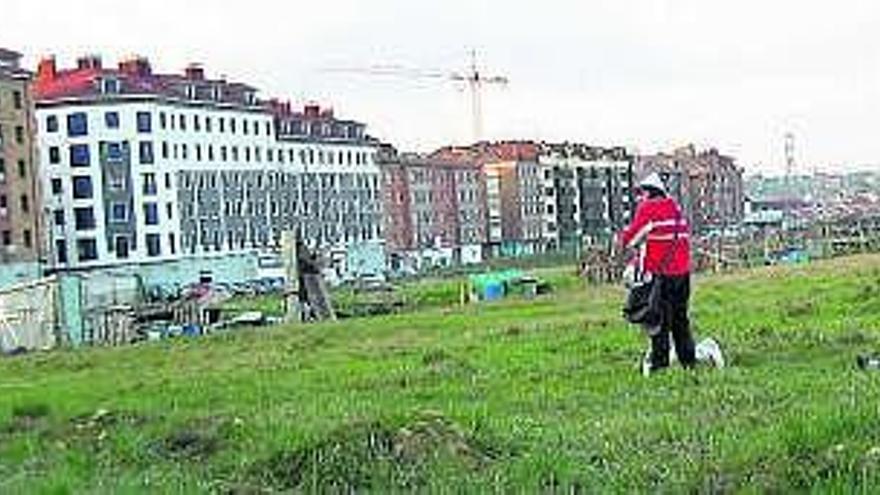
(289, 257)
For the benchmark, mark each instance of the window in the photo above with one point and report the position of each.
(232, 126)
(182, 122)
(197, 123)
(79, 155)
(168, 184)
(163, 120)
(52, 123)
(223, 155)
(198, 152)
(210, 153)
(82, 187)
(235, 153)
(256, 128)
(146, 152)
(222, 122)
(169, 211)
(77, 124)
(258, 154)
(172, 243)
(184, 151)
(207, 124)
(110, 86)
(84, 218)
(25, 204)
(151, 214)
(16, 100)
(56, 186)
(268, 128)
(111, 120)
(244, 127)
(58, 216)
(87, 249)
(114, 152)
(61, 251)
(247, 154)
(54, 155)
(121, 247)
(154, 245)
(22, 169)
(119, 213)
(19, 134)
(117, 183)
(7, 237)
(165, 152)
(149, 184)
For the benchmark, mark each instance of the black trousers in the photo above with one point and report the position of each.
(675, 291)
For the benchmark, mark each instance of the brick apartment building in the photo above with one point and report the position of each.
(516, 198)
(19, 195)
(709, 185)
(514, 193)
(434, 208)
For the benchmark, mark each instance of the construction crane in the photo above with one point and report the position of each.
(473, 77)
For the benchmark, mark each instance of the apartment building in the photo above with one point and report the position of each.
(435, 209)
(141, 167)
(709, 185)
(20, 239)
(588, 194)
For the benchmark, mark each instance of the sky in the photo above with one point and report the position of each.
(650, 75)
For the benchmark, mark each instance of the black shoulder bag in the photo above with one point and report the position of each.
(642, 305)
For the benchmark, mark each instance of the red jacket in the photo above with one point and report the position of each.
(659, 223)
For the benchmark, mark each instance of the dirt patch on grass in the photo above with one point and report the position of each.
(194, 441)
(798, 309)
(441, 362)
(25, 418)
(375, 456)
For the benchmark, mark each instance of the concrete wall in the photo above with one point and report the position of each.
(14, 273)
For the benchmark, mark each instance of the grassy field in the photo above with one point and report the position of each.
(536, 397)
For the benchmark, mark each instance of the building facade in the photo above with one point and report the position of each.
(709, 185)
(141, 167)
(588, 194)
(515, 207)
(20, 234)
(435, 209)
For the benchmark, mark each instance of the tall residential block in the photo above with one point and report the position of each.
(141, 167)
(433, 206)
(709, 184)
(588, 193)
(20, 239)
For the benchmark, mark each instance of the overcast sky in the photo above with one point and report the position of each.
(647, 74)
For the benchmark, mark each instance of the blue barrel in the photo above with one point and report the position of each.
(493, 291)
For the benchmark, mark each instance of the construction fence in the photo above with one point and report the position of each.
(68, 310)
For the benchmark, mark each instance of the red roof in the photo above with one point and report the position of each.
(134, 77)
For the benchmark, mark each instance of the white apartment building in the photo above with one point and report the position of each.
(139, 167)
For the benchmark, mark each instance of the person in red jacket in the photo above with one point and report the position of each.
(662, 235)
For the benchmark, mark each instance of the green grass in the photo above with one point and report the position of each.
(519, 396)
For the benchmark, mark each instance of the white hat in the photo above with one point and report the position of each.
(653, 180)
